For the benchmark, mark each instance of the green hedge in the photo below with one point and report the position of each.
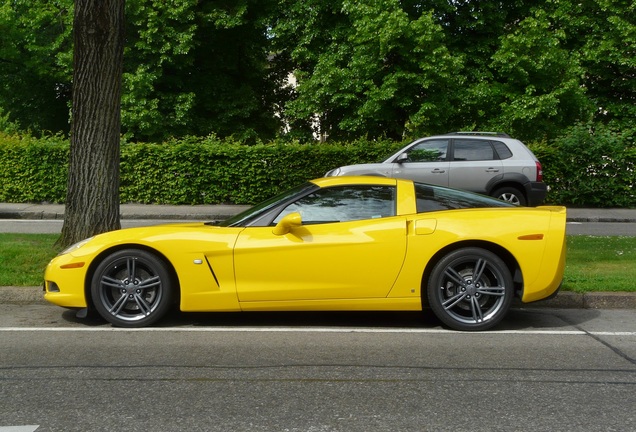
(589, 169)
(582, 169)
(189, 171)
(208, 172)
(33, 170)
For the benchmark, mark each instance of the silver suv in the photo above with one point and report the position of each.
(484, 162)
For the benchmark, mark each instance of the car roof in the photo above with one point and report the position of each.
(482, 135)
(479, 134)
(356, 180)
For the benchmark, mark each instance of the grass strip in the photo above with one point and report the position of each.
(23, 258)
(605, 263)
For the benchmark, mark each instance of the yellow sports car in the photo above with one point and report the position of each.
(338, 243)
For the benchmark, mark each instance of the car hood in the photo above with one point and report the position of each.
(165, 237)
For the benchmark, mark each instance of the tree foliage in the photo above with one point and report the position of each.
(36, 63)
(367, 68)
(384, 68)
(196, 68)
(608, 56)
(538, 81)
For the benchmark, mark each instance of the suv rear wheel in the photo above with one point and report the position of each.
(510, 194)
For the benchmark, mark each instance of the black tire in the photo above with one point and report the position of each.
(465, 302)
(132, 288)
(510, 194)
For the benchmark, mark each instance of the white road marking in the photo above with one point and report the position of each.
(27, 428)
(311, 330)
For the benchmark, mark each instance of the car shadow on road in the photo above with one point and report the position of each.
(543, 318)
(517, 319)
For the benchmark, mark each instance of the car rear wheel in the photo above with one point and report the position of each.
(131, 288)
(510, 194)
(470, 289)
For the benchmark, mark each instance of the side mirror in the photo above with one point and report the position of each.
(404, 157)
(287, 223)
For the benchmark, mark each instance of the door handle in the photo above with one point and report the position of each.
(438, 171)
(492, 170)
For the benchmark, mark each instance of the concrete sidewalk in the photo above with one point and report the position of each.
(220, 212)
(127, 211)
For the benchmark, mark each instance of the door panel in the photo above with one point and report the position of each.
(423, 172)
(426, 163)
(474, 176)
(356, 259)
(473, 165)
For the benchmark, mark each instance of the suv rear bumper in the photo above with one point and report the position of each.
(536, 192)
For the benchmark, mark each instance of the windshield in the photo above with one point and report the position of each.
(252, 213)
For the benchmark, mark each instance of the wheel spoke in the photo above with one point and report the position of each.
(150, 283)
(476, 309)
(144, 306)
(478, 271)
(131, 264)
(118, 305)
(497, 291)
(110, 282)
(451, 302)
(455, 277)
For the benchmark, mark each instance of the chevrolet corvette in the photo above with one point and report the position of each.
(332, 244)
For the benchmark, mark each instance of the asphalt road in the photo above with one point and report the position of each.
(542, 370)
(44, 226)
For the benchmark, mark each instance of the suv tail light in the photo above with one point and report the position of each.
(539, 172)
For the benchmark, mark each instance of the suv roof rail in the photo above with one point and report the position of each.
(498, 134)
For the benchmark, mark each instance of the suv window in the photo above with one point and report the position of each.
(428, 151)
(473, 150)
(502, 150)
(344, 203)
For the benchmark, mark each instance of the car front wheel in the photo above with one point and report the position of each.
(470, 289)
(131, 288)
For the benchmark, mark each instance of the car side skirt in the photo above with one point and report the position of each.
(373, 304)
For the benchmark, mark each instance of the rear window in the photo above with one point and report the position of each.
(502, 150)
(435, 198)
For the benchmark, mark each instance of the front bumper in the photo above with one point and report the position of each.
(65, 286)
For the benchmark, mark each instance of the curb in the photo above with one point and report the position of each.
(592, 300)
(564, 300)
(22, 295)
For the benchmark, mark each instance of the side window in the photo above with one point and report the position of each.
(433, 198)
(473, 150)
(427, 201)
(502, 150)
(428, 151)
(342, 204)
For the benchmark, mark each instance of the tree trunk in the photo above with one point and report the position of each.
(92, 201)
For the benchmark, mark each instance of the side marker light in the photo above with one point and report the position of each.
(72, 265)
(531, 237)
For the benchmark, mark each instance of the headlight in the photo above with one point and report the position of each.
(333, 173)
(75, 246)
